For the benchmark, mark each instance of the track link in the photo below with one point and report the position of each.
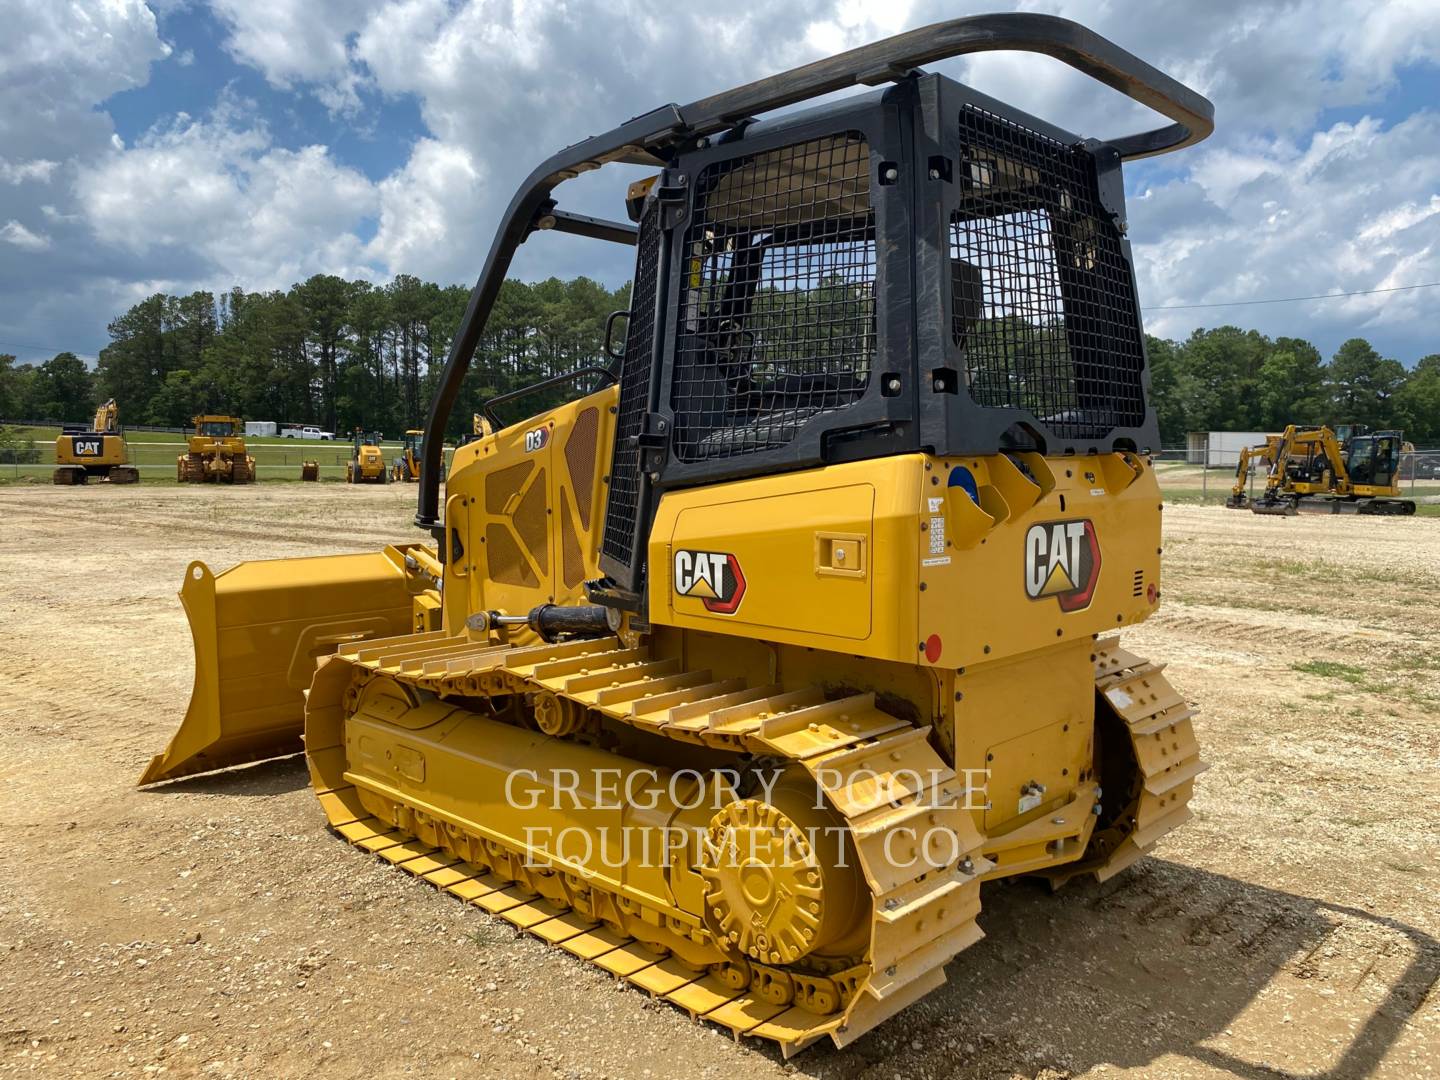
(879, 772)
(1166, 760)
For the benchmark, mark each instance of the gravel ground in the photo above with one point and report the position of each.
(214, 928)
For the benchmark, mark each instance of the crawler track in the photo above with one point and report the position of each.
(865, 760)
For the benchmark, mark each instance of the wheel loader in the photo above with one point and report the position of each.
(406, 467)
(367, 462)
(1313, 470)
(99, 453)
(738, 675)
(215, 453)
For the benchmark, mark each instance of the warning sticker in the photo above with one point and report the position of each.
(936, 504)
(937, 534)
(943, 560)
(1119, 698)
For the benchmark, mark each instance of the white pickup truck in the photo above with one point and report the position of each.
(307, 433)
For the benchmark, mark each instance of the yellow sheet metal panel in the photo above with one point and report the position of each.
(1000, 577)
(806, 558)
(526, 505)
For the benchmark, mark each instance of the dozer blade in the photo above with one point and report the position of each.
(258, 630)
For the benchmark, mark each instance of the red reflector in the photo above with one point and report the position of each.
(932, 648)
(1152, 593)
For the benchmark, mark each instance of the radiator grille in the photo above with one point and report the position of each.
(623, 499)
(1044, 300)
(778, 310)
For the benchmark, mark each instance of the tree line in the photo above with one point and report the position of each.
(346, 354)
(335, 353)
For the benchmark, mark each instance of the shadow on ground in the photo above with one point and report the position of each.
(1165, 960)
(273, 777)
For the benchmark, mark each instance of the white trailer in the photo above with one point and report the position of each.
(261, 427)
(1220, 449)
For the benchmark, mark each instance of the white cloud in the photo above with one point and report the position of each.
(298, 41)
(12, 232)
(1270, 206)
(426, 209)
(21, 172)
(255, 213)
(1354, 207)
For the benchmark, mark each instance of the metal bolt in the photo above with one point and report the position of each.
(892, 174)
(1057, 821)
(938, 385)
(682, 179)
(890, 970)
(1096, 809)
(967, 866)
(891, 904)
(893, 384)
(934, 174)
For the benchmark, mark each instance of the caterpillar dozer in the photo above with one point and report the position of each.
(215, 453)
(407, 466)
(1313, 470)
(738, 675)
(99, 453)
(367, 461)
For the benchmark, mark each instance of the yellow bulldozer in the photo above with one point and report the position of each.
(367, 462)
(99, 453)
(407, 466)
(215, 453)
(1314, 470)
(739, 674)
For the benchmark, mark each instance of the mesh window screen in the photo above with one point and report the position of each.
(778, 310)
(623, 498)
(1044, 302)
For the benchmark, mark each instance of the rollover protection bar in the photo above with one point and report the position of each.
(649, 139)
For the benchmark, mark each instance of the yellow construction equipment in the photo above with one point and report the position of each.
(367, 462)
(216, 453)
(407, 465)
(309, 470)
(1313, 470)
(738, 674)
(100, 452)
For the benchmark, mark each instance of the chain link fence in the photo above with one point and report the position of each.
(1185, 479)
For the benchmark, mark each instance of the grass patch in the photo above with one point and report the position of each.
(1331, 669)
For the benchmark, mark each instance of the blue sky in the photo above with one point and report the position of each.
(188, 144)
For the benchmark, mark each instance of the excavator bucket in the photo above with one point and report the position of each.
(258, 630)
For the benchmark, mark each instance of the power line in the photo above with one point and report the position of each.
(32, 345)
(1292, 299)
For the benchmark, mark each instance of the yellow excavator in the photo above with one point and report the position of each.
(1314, 470)
(215, 453)
(367, 462)
(739, 674)
(99, 453)
(407, 466)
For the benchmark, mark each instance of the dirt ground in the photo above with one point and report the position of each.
(214, 928)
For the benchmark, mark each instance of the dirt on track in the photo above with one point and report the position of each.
(214, 927)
